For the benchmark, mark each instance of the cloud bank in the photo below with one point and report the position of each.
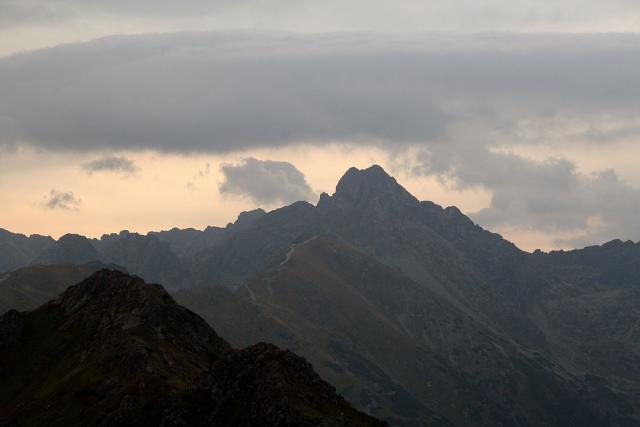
(220, 92)
(266, 181)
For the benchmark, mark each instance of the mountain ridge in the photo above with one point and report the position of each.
(113, 350)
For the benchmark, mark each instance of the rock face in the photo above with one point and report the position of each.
(371, 189)
(263, 385)
(114, 350)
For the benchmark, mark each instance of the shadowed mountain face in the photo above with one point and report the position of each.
(18, 250)
(69, 249)
(187, 242)
(29, 287)
(113, 350)
(146, 256)
(415, 313)
(396, 348)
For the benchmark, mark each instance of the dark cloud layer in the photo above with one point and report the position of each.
(117, 164)
(266, 181)
(17, 13)
(456, 98)
(228, 91)
(62, 200)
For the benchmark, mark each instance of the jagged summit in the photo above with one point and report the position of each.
(246, 219)
(110, 300)
(369, 186)
(115, 286)
(373, 177)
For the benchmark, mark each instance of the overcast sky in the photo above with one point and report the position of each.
(152, 114)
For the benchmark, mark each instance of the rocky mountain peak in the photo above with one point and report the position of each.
(110, 300)
(370, 186)
(246, 219)
(117, 285)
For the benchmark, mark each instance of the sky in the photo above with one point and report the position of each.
(150, 115)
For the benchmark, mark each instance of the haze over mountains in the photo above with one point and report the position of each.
(416, 314)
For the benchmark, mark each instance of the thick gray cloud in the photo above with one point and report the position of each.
(17, 13)
(117, 164)
(266, 181)
(62, 200)
(458, 98)
(227, 91)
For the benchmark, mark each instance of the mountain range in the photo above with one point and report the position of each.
(416, 314)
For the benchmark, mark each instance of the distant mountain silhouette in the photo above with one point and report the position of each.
(18, 250)
(187, 242)
(147, 256)
(29, 287)
(113, 350)
(165, 256)
(69, 249)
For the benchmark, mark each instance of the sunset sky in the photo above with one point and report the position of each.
(150, 115)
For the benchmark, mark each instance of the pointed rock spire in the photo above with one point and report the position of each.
(371, 186)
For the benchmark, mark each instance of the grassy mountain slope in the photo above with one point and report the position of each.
(394, 347)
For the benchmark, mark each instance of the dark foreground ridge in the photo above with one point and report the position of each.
(114, 351)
